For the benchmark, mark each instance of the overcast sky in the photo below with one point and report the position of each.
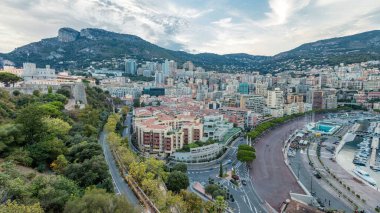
(260, 27)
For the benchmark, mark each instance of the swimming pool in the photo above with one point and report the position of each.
(323, 128)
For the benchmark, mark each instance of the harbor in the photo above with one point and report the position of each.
(360, 154)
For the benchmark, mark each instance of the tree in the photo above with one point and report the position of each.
(16, 93)
(64, 92)
(14, 207)
(31, 119)
(214, 190)
(10, 135)
(47, 150)
(56, 126)
(221, 170)
(193, 203)
(177, 181)
(138, 171)
(211, 188)
(59, 164)
(54, 191)
(220, 204)
(98, 200)
(92, 171)
(182, 167)
(124, 110)
(20, 155)
(83, 151)
(51, 97)
(8, 78)
(18, 189)
(36, 93)
(136, 102)
(157, 167)
(246, 153)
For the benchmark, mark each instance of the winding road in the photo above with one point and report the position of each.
(271, 177)
(121, 187)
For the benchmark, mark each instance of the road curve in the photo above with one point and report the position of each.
(121, 187)
(271, 178)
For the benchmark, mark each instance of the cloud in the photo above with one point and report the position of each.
(282, 10)
(224, 22)
(219, 26)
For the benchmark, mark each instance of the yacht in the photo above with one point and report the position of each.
(375, 168)
(365, 176)
(359, 162)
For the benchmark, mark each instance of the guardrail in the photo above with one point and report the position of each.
(141, 196)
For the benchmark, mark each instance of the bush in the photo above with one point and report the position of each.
(177, 181)
(16, 93)
(182, 167)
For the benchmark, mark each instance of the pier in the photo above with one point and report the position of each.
(349, 136)
(374, 147)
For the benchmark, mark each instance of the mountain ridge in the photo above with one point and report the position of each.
(77, 49)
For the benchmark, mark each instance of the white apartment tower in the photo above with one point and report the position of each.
(275, 99)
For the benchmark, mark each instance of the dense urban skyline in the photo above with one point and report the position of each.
(100, 112)
(255, 27)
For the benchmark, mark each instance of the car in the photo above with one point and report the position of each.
(235, 177)
(211, 181)
(317, 175)
(244, 182)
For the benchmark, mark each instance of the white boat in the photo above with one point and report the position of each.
(375, 168)
(365, 176)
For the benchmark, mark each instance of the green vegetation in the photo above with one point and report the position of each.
(98, 200)
(261, 128)
(215, 191)
(177, 181)
(136, 103)
(8, 78)
(221, 172)
(182, 167)
(14, 207)
(151, 175)
(220, 204)
(196, 144)
(246, 153)
(138, 77)
(36, 134)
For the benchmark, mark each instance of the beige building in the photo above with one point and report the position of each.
(164, 134)
(275, 99)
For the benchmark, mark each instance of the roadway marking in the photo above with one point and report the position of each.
(109, 168)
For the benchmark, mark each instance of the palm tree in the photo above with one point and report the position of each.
(220, 204)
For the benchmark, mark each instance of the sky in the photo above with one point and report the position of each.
(258, 27)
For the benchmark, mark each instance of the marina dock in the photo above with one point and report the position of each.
(374, 147)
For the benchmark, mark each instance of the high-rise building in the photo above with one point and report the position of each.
(261, 89)
(169, 67)
(275, 99)
(159, 78)
(256, 103)
(131, 67)
(188, 66)
(317, 99)
(244, 88)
